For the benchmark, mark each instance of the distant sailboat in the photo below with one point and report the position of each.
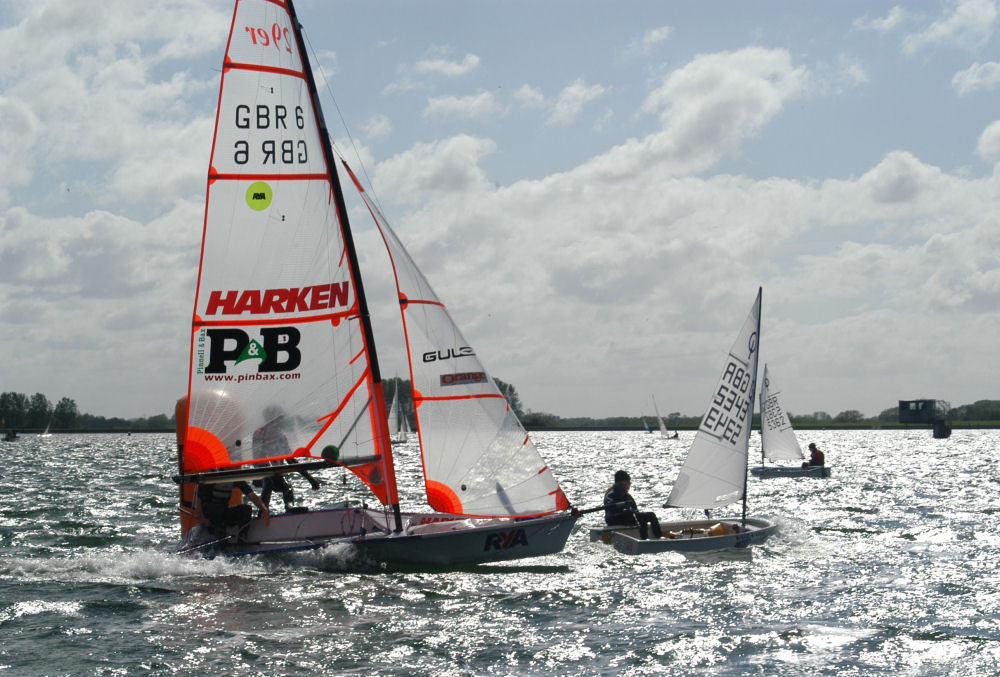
(777, 438)
(714, 471)
(47, 433)
(659, 420)
(398, 425)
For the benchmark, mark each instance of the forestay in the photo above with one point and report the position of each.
(477, 458)
(714, 472)
(278, 345)
(777, 437)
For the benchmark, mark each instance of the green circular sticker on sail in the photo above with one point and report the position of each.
(259, 196)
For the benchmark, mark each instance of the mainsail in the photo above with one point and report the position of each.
(281, 348)
(659, 419)
(777, 437)
(714, 472)
(477, 458)
(398, 426)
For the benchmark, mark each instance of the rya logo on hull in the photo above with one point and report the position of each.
(506, 540)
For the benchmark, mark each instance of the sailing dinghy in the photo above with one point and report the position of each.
(714, 473)
(777, 439)
(397, 419)
(663, 426)
(284, 375)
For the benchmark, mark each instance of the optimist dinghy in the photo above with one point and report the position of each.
(777, 439)
(714, 473)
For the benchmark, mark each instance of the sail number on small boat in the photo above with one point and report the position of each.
(728, 408)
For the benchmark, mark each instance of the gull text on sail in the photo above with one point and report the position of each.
(273, 301)
(438, 355)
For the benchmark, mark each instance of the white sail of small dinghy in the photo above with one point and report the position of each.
(282, 346)
(659, 419)
(714, 473)
(777, 437)
(397, 420)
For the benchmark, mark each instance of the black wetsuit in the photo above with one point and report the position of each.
(214, 502)
(628, 514)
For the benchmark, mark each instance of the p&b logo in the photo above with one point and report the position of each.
(277, 349)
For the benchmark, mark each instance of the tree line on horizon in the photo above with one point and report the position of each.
(18, 411)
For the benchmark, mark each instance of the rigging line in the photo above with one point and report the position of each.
(350, 137)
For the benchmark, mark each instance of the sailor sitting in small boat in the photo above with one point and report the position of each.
(213, 509)
(620, 508)
(816, 457)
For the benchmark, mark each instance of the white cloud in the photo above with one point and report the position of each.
(377, 127)
(708, 107)
(448, 68)
(649, 39)
(900, 177)
(571, 101)
(529, 97)
(988, 145)
(478, 105)
(977, 77)
(884, 25)
(448, 167)
(968, 26)
(695, 249)
(17, 134)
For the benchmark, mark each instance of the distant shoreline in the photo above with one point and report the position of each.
(799, 427)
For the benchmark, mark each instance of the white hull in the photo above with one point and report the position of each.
(426, 538)
(688, 536)
(789, 471)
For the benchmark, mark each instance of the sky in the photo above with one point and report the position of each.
(596, 190)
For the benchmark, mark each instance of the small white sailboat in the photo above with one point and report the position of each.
(777, 438)
(663, 426)
(284, 376)
(46, 433)
(714, 473)
(397, 421)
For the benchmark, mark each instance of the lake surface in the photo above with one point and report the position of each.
(888, 567)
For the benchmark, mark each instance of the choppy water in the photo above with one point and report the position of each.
(890, 566)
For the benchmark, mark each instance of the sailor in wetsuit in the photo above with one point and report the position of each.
(620, 508)
(213, 505)
(269, 440)
(816, 457)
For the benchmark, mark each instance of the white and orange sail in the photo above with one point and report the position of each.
(477, 458)
(281, 346)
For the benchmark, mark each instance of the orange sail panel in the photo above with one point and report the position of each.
(280, 366)
(477, 458)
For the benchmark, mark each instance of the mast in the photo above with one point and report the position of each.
(381, 423)
(753, 396)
